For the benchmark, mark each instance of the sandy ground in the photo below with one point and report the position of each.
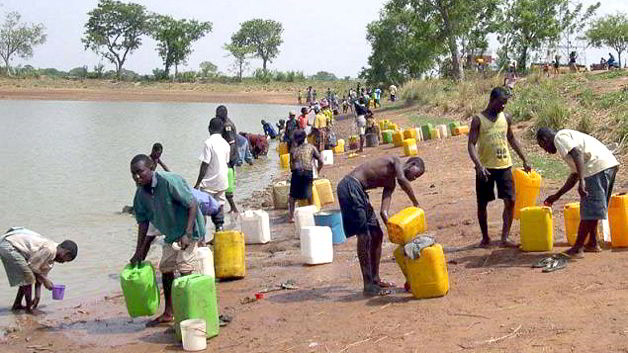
(496, 303)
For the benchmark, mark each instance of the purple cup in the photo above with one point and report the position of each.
(57, 291)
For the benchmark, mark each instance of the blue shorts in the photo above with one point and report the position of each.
(599, 188)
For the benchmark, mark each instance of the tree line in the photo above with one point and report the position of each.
(415, 37)
(114, 30)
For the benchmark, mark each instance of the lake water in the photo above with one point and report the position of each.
(65, 174)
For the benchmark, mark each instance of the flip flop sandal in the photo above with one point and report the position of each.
(557, 264)
(543, 262)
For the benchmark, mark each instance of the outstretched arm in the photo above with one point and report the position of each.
(163, 165)
(515, 144)
(404, 182)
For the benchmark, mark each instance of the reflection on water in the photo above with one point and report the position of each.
(65, 170)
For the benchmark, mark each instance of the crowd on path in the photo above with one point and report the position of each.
(164, 204)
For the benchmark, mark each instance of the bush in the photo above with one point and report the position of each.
(554, 115)
(187, 76)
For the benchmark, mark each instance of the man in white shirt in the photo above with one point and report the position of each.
(213, 174)
(594, 168)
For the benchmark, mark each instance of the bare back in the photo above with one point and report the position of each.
(379, 173)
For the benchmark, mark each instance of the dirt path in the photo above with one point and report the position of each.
(496, 303)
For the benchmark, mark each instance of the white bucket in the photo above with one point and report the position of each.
(328, 157)
(193, 335)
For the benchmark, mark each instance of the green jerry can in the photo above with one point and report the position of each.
(451, 127)
(194, 297)
(425, 130)
(139, 286)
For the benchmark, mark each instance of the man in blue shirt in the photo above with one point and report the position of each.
(165, 200)
(269, 130)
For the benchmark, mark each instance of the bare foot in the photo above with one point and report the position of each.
(595, 248)
(386, 284)
(575, 252)
(375, 290)
(485, 243)
(163, 319)
(505, 243)
(18, 307)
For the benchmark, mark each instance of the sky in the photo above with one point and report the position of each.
(326, 35)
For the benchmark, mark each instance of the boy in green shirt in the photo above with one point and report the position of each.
(165, 200)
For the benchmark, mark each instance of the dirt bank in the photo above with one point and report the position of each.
(496, 302)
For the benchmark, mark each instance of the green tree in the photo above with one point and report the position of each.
(411, 35)
(240, 55)
(528, 24)
(263, 36)
(175, 37)
(324, 76)
(18, 38)
(208, 69)
(610, 31)
(114, 30)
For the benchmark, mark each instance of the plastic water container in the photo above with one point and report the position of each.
(409, 147)
(194, 297)
(340, 146)
(442, 130)
(316, 201)
(409, 134)
(193, 335)
(304, 217)
(285, 161)
(58, 291)
(140, 290)
(427, 275)
(419, 134)
(383, 124)
(333, 220)
(537, 229)
(206, 261)
(527, 189)
(387, 136)
(406, 225)
(397, 138)
(283, 148)
(461, 130)
(618, 219)
(400, 258)
(451, 126)
(328, 157)
(316, 245)
(324, 191)
(393, 126)
(231, 180)
(256, 226)
(281, 195)
(572, 221)
(425, 131)
(371, 140)
(434, 134)
(229, 254)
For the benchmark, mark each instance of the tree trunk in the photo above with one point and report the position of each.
(240, 71)
(456, 65)
(119, 70)
(523, 59)
(264, 64)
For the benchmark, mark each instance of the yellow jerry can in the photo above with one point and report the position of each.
(618, 219)
(537, 230)
(409, 147)
(285, 161)
(324, 191)
(398, 138)
(406, 225)
(527, 189)
(229, 254)
(572, 221)
(427, 275)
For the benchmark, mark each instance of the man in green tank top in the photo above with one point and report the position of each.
(491, 132)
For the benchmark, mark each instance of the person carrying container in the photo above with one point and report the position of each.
(491, 132)
(593, 168)
(359, 218)
(165, 200)
(27, 258)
